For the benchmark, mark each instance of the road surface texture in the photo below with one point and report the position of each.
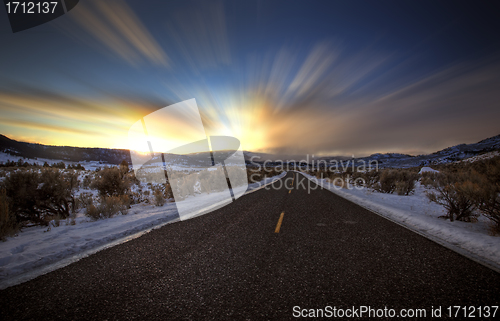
(231, 264)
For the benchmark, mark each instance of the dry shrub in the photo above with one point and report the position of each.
(158, 193)
(84, 200)
(487, 196)
(367, 179)
(428, 178)
(159, 199)
(387, 182)
(167, 191)
(405, 184)
(109, 206)
(87, 181)
(401, 181)
(455, 193)
(338, 181)
(254, 175)
(110, 182)
(40, 197)
(8, 224)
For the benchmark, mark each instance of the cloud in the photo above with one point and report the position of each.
(200, 35)
(119, 29)
(84, 121)
(337, 102)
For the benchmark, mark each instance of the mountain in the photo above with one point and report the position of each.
(116, 156)
(65, 153)
(395, 160)
(447, 155)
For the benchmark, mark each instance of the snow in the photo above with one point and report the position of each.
(38, 250)
(417, 213)
(479, 157)
(427, 170)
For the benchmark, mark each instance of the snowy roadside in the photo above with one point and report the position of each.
(37, 246)
(417, 213)
(37, 250)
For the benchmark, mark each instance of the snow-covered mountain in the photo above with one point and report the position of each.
(447, 155)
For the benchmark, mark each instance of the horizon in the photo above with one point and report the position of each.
(284, 156)
(322, 78)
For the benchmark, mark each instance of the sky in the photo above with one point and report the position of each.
(284, 77)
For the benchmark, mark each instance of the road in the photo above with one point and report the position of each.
(237, 263)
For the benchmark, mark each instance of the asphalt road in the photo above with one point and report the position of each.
(231, 264)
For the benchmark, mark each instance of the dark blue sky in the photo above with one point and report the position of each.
(324, 77)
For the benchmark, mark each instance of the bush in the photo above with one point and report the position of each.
(110, 182)
(405, 184)
(59, 165)
(124, 169)
(21, 190)
(108, 207)
(84, 200)
(428, 179)
(40, 197)
(87, 181)
(488, 195)
(254, 174)
(367, 179)
(394, 180)
(8, 224)
(488, 203)
(161, 192)
(167, 191)
(159, 198)
(55, 194)
(455, 193)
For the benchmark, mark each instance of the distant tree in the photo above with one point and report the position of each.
(60, 165)
(79, 167)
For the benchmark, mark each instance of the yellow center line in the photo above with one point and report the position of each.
(277, 230)
(289, 191)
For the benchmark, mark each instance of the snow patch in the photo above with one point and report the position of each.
(427, 170)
